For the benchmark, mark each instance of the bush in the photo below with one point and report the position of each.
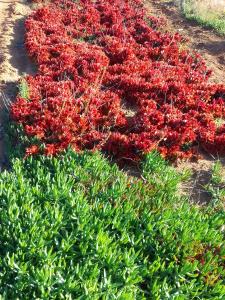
(109, 78)
(75, 227)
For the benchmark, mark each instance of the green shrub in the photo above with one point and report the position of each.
(76, 227)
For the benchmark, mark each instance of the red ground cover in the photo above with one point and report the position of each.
(110, 78)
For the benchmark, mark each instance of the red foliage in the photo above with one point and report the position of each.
(96, 62)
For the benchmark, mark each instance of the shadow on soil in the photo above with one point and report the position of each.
(19, 58)
(214, 47)
(195, 188)
(23, 66)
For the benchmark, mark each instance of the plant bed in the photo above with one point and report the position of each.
(75, 227)
(99, 59)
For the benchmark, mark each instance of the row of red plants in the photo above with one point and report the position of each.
(111, 78)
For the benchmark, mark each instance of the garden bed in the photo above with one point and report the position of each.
(98, 60)
(112, 85)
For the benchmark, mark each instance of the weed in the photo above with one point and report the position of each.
(23, 89)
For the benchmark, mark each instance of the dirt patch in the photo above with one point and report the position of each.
(201, 171)
(14, 62)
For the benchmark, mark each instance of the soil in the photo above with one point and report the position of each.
(14, 63)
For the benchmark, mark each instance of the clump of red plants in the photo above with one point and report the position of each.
(110, 78)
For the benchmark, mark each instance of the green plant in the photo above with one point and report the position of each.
(76, 227)
(23, 89)
(216, 185)
(204, 14)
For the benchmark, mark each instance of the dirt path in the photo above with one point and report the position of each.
(210, 45)
(14, 62)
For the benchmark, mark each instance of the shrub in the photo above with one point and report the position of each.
(97, 61)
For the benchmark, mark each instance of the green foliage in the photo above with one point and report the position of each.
(201, 12)
(16, 140)
(204, 14)
(76, 227)
(216, 186)
(23, 89)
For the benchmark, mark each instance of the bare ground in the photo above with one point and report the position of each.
(14, 62)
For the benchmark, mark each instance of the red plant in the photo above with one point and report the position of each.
(97, 62)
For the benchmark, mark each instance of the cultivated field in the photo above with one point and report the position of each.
(112, 148)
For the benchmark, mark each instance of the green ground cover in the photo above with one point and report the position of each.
(76, 227)
(204, 15)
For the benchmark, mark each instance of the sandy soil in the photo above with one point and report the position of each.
(14, 62)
